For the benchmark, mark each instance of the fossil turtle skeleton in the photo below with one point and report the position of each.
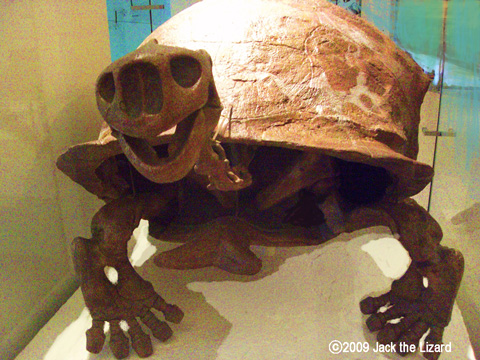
(281, 122)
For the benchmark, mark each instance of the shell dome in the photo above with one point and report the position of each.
(304, 75)
(310, 75)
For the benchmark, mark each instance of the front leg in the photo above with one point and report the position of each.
(130, 297)
(424, 296)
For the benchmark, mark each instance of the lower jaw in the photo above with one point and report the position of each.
(187, 143)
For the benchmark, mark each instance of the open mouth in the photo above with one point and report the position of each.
(183, 151)
(131, 98)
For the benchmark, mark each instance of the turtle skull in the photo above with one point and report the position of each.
(153, 90)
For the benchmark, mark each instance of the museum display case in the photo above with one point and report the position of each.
(54, 54)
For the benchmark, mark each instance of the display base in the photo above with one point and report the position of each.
(303, 299)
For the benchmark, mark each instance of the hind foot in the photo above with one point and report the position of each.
(422, 299)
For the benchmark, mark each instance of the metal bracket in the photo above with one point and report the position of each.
(449, 132)
(148, 7)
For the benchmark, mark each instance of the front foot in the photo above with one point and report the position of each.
(420, 304)
(129, 299)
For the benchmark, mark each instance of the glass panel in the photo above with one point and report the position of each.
(418, 30)
(52, 53)
(160, 16)
(354, 6)
(179, 5)
(381, 13)
(452, 107)
(416, 27)
(455, 199)
(129, 27)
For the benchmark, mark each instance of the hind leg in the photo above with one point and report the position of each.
(424, 296)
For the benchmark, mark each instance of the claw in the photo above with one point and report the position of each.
(141, 342)
(370, 304)
(119, 343)
(95, 337)
(412, 335)
(379, 320)
(159, 329)
(394, 332)
(434, 337)
(173, 314)
(376, 322)
(431, 355)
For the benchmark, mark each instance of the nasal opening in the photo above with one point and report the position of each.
(141, 86)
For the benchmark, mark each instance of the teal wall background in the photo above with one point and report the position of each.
(417, 27)
(128, 27)
(351, 5)
(445, 35)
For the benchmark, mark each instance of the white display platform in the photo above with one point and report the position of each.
(303, 299)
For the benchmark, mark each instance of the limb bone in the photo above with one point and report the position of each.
(311, 168)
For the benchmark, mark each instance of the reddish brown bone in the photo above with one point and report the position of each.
(132, 296)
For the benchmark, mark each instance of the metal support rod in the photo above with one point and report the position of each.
(440, 80)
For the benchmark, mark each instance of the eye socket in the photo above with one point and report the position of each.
(106, 87)
(186, 71)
